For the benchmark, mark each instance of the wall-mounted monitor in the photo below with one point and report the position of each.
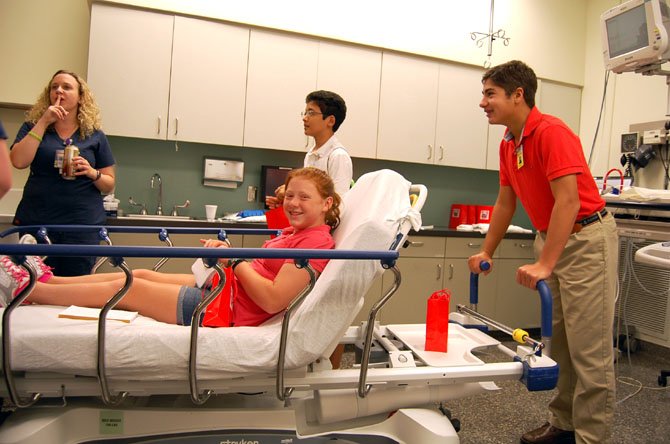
(635, 35)
(271, 178)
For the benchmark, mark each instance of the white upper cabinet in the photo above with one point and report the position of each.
(208, 82)
(129, 69)
(562, 101)
(353, 73)
(166, 77)
(495, 135)
(407, 109)
(282, 71)
(429, 113)
(461, 133)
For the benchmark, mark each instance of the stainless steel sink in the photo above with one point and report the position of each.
(156, 217)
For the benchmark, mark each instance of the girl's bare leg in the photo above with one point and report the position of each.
(153, 276)
(153, 299)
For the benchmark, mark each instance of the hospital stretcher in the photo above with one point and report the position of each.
(145, 381)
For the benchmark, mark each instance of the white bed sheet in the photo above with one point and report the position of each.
(149, 350)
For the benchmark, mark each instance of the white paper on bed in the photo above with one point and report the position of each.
(147, 350)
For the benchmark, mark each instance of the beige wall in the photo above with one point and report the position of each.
(37, 38)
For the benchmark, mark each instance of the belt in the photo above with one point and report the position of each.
(588, 220)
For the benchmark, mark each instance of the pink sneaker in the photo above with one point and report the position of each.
(13, 279)
(44, 272)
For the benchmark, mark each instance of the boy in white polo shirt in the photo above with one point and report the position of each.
(324, 113)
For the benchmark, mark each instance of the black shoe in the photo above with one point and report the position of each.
(548, 434)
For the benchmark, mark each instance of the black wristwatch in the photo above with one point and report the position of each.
(235, 262)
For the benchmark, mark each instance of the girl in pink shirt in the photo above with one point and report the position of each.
(264, 286)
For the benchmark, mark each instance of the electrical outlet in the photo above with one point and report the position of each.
(251, 193)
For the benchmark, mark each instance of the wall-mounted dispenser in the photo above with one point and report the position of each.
(223, 173)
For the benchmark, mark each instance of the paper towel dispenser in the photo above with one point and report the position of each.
(223, 173)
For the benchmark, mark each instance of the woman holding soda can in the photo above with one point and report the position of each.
(71, 166)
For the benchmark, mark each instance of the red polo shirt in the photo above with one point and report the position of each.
(550, 150)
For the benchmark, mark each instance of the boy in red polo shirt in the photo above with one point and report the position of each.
(542, 164)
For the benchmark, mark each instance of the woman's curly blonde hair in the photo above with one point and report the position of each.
(88, 113)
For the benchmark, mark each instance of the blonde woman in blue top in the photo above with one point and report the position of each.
(65, 112)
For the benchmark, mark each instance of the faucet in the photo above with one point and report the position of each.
(159, 208)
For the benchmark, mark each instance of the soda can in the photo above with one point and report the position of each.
(69, 153)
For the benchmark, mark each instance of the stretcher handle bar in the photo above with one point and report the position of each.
(474, 285)
(154, 229)
(6, 337)
(545, 302)
(386, 256)
(518, 334)
(546, 307)
(283, 393)
(107, 398)
(363, 387)
(196, 397)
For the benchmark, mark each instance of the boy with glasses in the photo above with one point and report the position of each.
(324, 113)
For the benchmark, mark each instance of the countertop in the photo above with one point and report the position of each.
(438, 231)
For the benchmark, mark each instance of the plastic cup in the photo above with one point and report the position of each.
(210, 212)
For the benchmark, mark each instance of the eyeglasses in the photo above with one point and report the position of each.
(309, 113)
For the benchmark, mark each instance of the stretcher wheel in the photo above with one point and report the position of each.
(455, 422)
(663, 378)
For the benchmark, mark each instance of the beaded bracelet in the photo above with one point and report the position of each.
(35, 136)
(98, 175)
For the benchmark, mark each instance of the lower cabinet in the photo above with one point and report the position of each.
(516, 306)
(432, 263)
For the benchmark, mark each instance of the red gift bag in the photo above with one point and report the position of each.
(219, 312)
(276, 218)
(437, 321)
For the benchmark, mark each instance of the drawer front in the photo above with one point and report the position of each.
(516, 248)
(424, 246)
(463, 246)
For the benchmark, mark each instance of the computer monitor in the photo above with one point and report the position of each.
(635, 35)
(271, 178)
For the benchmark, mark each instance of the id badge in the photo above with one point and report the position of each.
(519, 157)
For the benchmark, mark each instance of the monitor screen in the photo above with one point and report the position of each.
(635, 36)
(627, 32)
(271, 178)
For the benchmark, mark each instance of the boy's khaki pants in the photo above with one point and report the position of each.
(583, 287)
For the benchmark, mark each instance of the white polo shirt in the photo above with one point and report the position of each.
(334, 159)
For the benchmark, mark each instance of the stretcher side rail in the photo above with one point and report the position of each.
(116, 253)
(41, 233)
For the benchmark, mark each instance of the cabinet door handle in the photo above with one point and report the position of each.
(158, 125)
(415, 244)
(176, 126)
(430, 152)
(441, 152)
(439, 272)
(451, 271)
(471, 245)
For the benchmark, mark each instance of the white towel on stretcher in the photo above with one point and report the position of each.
(148, 350)
(484, 228)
